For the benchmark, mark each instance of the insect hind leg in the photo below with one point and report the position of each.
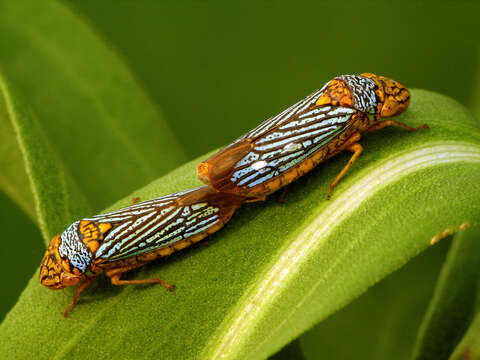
(351, 145)
(116, 274)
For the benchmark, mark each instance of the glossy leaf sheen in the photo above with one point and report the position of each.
(277, 268)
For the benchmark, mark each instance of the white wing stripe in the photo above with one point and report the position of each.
(124, 244)
(195, 230)
(297, 138)
(107, 241)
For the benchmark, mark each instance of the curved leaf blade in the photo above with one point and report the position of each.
(56, 195)
(382, 323)
(277, 269)
(453, 304)
(469, 347)
(331, 270)
(16, 225)
(292, 351)
(89, 107)
(13, 177)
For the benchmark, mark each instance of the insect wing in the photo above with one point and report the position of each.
(284, 117)
(154, 224)
(290, 142)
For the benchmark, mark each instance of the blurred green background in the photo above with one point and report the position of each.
(216, 69)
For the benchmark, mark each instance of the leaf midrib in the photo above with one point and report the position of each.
(242, 319)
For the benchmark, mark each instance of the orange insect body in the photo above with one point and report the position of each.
(285, 147)
(132, 237)
(262, 161)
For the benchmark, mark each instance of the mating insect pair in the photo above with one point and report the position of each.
(267, 158)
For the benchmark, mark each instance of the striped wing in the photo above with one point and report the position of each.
(286, 140)
(285, 116)
(153, 224)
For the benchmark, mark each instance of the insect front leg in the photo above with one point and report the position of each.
(351, 145)
(79, 290)
(385, 123)
(116, 274)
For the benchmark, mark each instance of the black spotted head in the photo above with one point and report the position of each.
(393, 97)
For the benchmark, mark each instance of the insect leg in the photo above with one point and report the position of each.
(357, 149)
(281, 198)
(203, 243)
(390, 122)
(79, 290)
(255, 199)
(116, 274)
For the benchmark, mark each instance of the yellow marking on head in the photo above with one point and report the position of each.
(104, 227)
(55, 272)
(92, 233)
(336, 94)
(393, 96)
(89, 231)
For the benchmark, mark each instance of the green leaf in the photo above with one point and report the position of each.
(16, 225)
(57, 197)
(453, 304)
(13, 177)
(91, 125)
(469, 347)
(382, 323)
(475, 97)
(277, 268)
(292, 351)
(225, 65)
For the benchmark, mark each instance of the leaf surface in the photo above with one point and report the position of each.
(277, 268)
(383, 322)
(453, 304)
(88, 119)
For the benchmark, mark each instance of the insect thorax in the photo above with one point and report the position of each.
(363, 92)
(72, 248)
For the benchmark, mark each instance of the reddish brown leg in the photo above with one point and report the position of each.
(357, 149)
(115, 279)
(79, 290)
(260, 198)
(135, 200)
(281, 198)
(201, 244)
(390, 122)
